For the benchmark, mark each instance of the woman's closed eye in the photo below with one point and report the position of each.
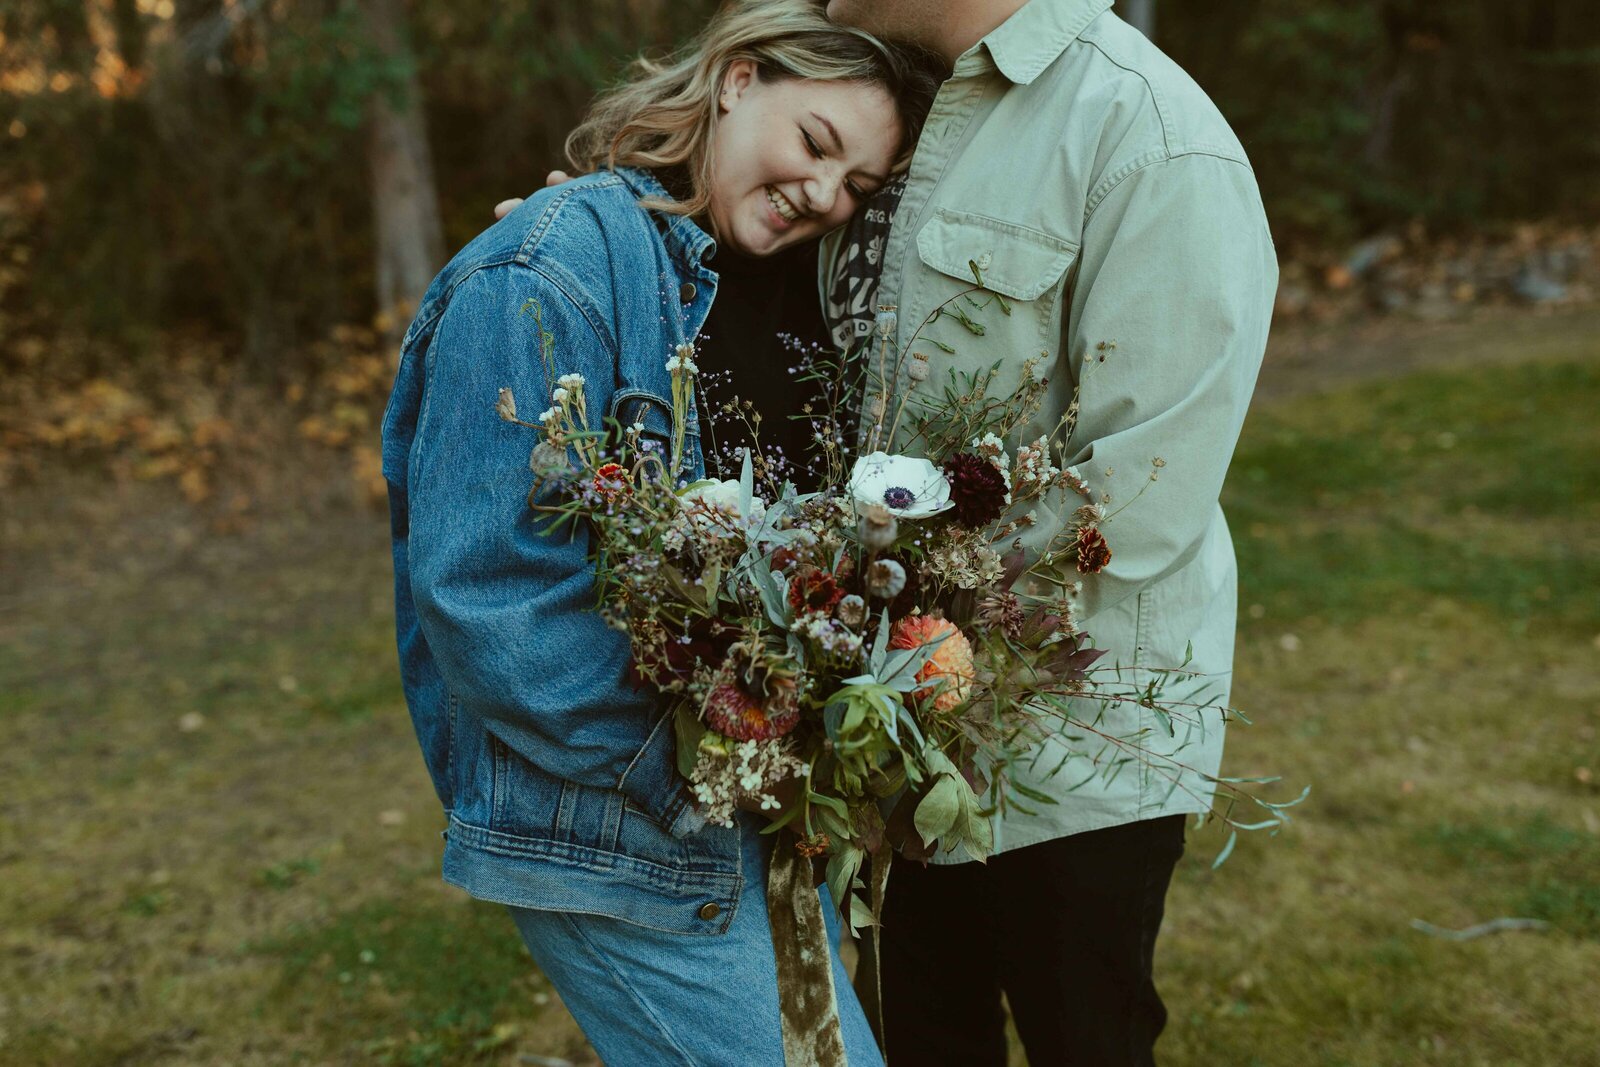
(816, 151)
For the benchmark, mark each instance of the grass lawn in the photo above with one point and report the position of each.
(218, 845)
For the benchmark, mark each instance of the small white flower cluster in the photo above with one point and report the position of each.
(830, 635)
(965, 563)
(1067, 608)
(682, 360)
(1074, 478)
(991, 448)
(728, 772)
(570, 381)
(1035, 472)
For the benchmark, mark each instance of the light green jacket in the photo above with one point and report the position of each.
(1106, 198)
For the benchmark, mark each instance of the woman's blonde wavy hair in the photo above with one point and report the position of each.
(662, 115)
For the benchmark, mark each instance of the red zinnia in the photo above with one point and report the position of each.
(611, 480)
(1093, 552)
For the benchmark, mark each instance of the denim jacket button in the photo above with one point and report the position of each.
(710, 911)
(686, 292)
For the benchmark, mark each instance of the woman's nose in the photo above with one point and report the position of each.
(822, 192)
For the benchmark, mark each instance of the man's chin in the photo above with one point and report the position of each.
(844, 12)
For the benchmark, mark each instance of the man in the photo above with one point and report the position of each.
(1103, 196)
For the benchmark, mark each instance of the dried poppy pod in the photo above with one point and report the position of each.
(878, 527)
(885, 579)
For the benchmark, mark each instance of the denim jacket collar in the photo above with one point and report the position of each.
(686, 241)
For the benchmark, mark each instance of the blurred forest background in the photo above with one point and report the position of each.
(266, 173)
(217, 841)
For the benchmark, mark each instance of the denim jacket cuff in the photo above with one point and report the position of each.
(653, 783)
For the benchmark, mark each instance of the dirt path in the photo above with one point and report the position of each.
(1308, 358)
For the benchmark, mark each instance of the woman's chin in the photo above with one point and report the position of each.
(763, 240)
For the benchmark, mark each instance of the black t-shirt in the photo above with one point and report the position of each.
(765, 318)
(764, 321)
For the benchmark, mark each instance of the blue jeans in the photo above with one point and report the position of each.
(645, 996)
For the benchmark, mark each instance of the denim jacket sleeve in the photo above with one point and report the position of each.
(507, 609)
(1176, 278)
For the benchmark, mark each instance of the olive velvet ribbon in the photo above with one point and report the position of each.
(807, 1000)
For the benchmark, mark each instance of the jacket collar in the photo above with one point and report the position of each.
(686, 241)
(1030, 40)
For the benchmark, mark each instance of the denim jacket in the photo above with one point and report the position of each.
(558, 776)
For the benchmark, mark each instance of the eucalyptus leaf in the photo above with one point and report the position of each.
(772, 588)
(910, 723)
(832, 824)
(938, 811)
(843, 866)
(902, 664)
(747, 485)
(860, 915)
(880, 647)
(1227, 850)
(980, 837)
(781, 821)
(938, 763)
(833, 804)
(688, 730)
(833, 719)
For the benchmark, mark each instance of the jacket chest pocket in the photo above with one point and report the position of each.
(1024, 266)
(636, 407)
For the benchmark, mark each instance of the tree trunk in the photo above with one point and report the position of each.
(405, 203)
(1141, 15)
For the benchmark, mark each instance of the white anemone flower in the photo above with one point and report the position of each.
(714, 505)
(911, 488)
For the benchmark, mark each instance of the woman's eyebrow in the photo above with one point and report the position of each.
(838, 145)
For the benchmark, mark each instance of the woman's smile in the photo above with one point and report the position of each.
(782, 206)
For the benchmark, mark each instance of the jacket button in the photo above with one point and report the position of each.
(686, 292)
(710, 911)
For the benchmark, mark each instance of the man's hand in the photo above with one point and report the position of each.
(506, 207)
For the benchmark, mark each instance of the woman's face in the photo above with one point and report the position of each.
(793, 159)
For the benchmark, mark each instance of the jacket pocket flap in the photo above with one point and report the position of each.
(1015, 261)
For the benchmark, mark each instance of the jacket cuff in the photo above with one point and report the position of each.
(653, 783)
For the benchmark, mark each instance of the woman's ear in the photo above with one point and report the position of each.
(741, 74)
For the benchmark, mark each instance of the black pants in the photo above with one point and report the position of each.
(1065, 929)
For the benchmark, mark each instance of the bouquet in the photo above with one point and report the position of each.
(865, 661)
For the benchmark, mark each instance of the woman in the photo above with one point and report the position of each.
(558, 776)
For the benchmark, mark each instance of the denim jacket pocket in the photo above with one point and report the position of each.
(633, 406)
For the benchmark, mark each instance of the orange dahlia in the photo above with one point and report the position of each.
(950, 663)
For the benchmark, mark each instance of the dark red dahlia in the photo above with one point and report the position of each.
(1093, 552)
(977, 488)
(814, 589)
(708, 642)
